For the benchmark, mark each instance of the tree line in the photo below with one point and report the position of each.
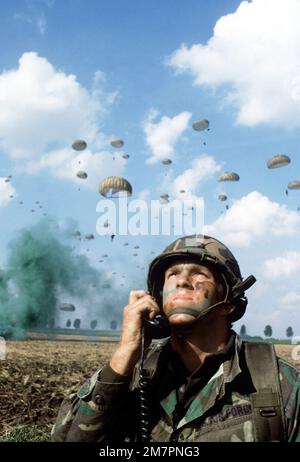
(268, 331)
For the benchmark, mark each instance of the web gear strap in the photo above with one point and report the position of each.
(268, 412)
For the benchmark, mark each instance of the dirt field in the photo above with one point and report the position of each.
(36, 375)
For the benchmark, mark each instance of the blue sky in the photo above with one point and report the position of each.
(144, 71)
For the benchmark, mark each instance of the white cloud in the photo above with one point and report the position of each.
(41, 24)
(162, 136)
(23, 17)
(43, 109)
(144, 195)
(38, 21)
(283, 266)
(190, 180)
(260, 289)
(64, 164)
(6, 190)
(254, 216)
(291, 301)
(255, 52)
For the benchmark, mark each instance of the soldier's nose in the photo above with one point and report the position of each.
(183, 281)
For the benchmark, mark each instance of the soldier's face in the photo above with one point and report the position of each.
(189, 285)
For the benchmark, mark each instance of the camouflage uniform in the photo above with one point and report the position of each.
(211, 405)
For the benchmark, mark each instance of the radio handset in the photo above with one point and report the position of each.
(157, 328)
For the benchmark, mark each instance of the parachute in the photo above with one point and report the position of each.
(81, 174)
(89, 237)
(163, 200)
(222, 197)
(278, 161)
(164, 196)
(200, 124)
(66, 307)
(117, 143)
(114, 186)
(229, 176)
(166, 161)
(294, 184)
(79, 145)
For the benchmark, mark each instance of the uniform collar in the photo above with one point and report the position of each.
(214, 387)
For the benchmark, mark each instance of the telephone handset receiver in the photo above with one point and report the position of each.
(157, 328)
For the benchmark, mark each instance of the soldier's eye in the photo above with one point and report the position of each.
(171, 273)
(201, 276)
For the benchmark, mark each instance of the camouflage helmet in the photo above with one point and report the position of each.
(208, 251)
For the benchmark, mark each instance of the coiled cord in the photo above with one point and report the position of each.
(144, 399)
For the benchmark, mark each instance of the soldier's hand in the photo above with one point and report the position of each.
(140, 305)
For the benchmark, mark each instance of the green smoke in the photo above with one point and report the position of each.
(41, 265)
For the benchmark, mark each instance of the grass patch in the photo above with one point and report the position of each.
(22, 433)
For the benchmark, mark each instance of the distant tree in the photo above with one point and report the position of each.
(268, 331)
(76, 323)
(243, 330)
(94, 324)
(68, 323)
(289, 332)
(113, 325)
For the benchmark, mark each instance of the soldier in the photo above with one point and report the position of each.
(202, 383)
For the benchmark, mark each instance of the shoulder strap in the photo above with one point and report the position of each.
(268, 411)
